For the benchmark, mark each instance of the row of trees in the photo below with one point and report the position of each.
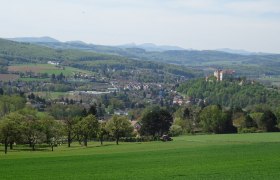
(28, 126)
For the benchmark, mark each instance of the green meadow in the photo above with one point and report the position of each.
(232, 156)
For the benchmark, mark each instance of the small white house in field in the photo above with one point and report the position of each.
(53, 63)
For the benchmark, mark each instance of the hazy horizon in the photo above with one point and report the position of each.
(191, 24)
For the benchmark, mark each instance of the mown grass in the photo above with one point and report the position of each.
(241, 156)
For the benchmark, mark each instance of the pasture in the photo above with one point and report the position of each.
(238, 156)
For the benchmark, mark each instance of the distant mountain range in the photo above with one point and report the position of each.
(145, 46)
(150, 47)
(241, 52)
(44, 39)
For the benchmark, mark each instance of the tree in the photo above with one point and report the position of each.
(32, 127)
(277, 114)
(31, 96)
(265, 120)
(213, 119)
(84, 112)
(155, 121)
(100, 110)
(102, 132)
(52, 130)
(187, 117)
(119, 126)
(10, 129)
(175, 130)
(1, 91)
(68, 115)
(89, 127)
(56, 133)
(53, 77)
(11, 103)
(92, 110)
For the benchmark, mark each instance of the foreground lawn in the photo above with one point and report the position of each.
(240, 156)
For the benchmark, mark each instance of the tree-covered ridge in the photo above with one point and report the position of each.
(19, 53)
(26, 52)
(235, 93)
(248, 65)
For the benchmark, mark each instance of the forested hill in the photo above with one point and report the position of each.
(19, 53)
(235, 93)
(14, 51)
(248, 65)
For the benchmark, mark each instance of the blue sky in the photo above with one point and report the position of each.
(198, 24)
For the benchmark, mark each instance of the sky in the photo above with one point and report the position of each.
(252, 25)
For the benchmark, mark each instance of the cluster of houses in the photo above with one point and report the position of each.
(136, 86)
(54, 63)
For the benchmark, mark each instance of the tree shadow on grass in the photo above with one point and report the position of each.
(19, 149)
(104, 145)
(30, 149)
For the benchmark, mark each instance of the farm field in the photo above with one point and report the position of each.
(51, 95)
(273, 80)
(238, 156)
(45, 68)
(35, 79)
(8, 77)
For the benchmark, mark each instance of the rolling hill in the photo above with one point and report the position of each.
(244, 63)
(12, 52)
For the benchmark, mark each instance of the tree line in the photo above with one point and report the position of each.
(216, 119)
(22, 125)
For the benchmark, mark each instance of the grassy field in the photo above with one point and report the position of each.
(240, 156)
(45, 68)
(52, 95)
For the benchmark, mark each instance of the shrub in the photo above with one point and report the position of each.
(175, 130)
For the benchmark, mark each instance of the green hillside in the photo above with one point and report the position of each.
(22, 53)
(27, 52)
(249, 65)
(240, 156)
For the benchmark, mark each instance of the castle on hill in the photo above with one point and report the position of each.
(220, 74)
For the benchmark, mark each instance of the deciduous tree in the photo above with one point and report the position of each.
(119, 126)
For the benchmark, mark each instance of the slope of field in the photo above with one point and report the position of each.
(8, 77)
(239, 156)
(46, 68)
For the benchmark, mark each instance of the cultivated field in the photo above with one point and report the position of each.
(8, 77)
(45, 68)
(240, 156)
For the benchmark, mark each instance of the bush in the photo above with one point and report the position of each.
(247, 130)
(175, 130)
